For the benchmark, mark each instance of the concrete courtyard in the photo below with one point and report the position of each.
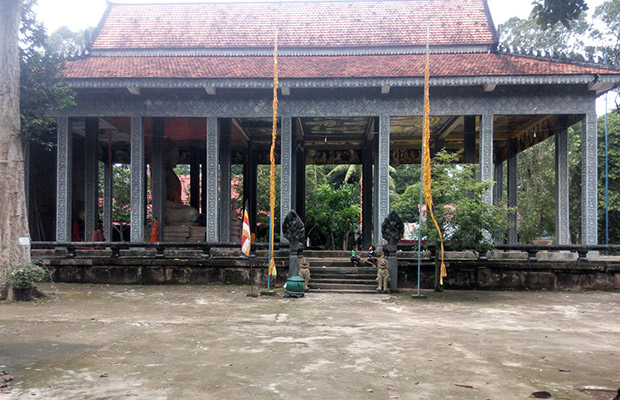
(214, 342)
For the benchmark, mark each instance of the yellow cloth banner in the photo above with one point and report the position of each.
(426, 160)
(272, 170)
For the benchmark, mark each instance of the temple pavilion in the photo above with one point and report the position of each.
(192, 83)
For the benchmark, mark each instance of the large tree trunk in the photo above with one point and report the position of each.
(13, 216)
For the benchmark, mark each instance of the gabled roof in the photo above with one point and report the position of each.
(394, 66)
(320, 24)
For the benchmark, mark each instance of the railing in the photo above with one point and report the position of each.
(160, 247)
(531, 249)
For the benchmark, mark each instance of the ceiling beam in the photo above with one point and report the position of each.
(240, 128)
(134, 90)
(529, 125)
(210, 90)
(385, 89)
(449, 126)
(286, 91)
(489, 87)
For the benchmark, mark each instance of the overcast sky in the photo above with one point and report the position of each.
(80, 14)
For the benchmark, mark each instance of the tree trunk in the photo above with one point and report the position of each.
(13, 215)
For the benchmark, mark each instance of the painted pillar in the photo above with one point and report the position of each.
(91, 177)
(252, 183)
(589, 180)
(158, 180)
(498, 193)
(486, 154)
(64, 180)
(367, 209)
(138, 180)
(511, 174)
(382, 175)
(286, 182)
(194, 178)
(300, 185)
(562, 232)
(212, 186)
(469, 139)
(108, 196)
(225, 133)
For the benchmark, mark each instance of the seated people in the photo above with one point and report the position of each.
(355, 259)
(372, 256)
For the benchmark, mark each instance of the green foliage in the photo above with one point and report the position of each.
(528, 35)
(332, 214)
(536, 191)
(549, 12)
(24, 275)
(613, 122)
(42, 88)
(465, 220)
(66, 43)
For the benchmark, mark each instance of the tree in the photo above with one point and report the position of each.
(466, 222)
(613, 122)
(548, 13)
(13, 214)
(528, 35)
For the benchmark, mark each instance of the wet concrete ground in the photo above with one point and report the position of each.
(214, 342)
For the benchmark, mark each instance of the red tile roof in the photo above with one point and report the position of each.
(441, 65)
(323, 24)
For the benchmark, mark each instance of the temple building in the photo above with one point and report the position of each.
(163, 84)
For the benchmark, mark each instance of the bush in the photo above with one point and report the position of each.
(24, 275)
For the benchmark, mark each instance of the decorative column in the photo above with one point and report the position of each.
(225, 132)
(158, 180)
(486, 154)
(300, 185)
(64, 180)
(91, 177)
(589, 179)
(511, 184)
(562, 232)
(367, 197)
(108, 195)
(498, 193)
(469, 139)
(211, 163)
(287, 151)
(252, 176)
(138, 180)
(382, 175)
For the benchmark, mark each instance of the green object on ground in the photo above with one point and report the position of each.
(294, 286)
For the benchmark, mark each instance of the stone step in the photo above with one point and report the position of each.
(341, 286)
(343, 270)
(352, 277)
(343, 291)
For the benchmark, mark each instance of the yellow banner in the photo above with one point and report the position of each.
(272, 170)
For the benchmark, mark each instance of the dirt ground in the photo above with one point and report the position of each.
(214, 342)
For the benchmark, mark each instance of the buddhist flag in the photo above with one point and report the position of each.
(246, 240)
(426, 159)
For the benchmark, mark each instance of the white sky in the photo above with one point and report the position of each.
(80, 14)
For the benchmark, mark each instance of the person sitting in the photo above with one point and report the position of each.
(372, 256)
(355, 259)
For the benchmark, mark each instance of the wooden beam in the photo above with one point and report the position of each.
(529, 125)
(449, 126)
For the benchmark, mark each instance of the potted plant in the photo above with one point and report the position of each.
(22, 277)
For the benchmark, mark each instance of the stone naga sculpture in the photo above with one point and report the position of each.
(304, 271)
(383, 275)
(392, 230)
(295, 232)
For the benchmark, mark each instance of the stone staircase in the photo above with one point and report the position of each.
(333, 272)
